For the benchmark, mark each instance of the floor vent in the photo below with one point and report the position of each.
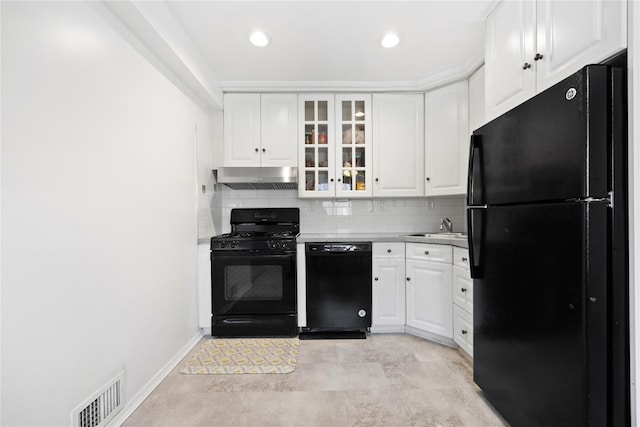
(100, 408)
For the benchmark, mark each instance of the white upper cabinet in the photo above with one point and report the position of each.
(447, 140)
(353, 145)
(242, 129)
(398, 129)
(509, 51)
(260, 130)
(476, 100)
(278, 129)
(316, 165)
(531, 45)
(572, 34)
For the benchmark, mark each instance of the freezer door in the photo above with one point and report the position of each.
(552, 147)
(540, 337)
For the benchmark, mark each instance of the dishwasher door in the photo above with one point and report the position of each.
(338, 286)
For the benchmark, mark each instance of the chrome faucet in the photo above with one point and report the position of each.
(445, 223)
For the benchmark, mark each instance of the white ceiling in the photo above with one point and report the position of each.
(320, 42)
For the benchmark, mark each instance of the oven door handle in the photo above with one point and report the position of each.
(238, 321)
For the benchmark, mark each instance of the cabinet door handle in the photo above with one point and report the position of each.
(339, 179)
(428, 179)
(426, 252)
(257, 150)
(538, 57)
(264, 150)
(388, 251)
(463, 289)
(375, 278)
(408, 279)
(526, 66)
(331, 180)
(377, 180)
(464, 332)
(464, 259)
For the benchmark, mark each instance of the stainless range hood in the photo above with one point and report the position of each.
(257, 178)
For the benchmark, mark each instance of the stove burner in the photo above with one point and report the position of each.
(238, 234)
(282, 234)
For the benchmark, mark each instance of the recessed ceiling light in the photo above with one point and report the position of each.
(390, 40)
(260, 39)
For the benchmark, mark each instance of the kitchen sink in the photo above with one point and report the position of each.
(440, 235)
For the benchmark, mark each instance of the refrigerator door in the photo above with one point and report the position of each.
(552, 147)
(540, 334)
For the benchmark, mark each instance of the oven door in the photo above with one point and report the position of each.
(253, 283)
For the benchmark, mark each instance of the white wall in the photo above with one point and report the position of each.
(99, 220)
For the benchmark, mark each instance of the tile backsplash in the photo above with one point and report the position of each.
(389, 215)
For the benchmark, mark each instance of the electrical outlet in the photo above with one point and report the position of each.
(204, 189)
(430, 205)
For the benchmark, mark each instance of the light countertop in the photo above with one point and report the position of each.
(380, 237)
(370, 237)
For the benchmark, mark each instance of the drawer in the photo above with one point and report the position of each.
(461, 257)
(463, 329)
(388, 250)
(429, 252)
(462, 289)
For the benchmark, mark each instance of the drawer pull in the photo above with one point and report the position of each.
(408, 279)
(388, 251)
(464, 259)
(462, 289)
(426, 252)
(375, 278)
(464, 332)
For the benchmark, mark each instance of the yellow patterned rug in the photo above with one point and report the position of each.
(244, 356)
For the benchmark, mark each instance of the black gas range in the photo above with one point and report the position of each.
(253, 274)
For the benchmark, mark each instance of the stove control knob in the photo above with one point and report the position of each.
(234, 244)
(272, 245)
(222, 245)
(283, 245)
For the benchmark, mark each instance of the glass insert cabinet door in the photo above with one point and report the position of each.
(353, 152)
(317, 146)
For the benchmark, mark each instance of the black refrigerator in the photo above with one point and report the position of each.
(547, 223)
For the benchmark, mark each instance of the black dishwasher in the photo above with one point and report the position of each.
(338, 277)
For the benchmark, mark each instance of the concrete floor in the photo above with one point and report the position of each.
(385, 380)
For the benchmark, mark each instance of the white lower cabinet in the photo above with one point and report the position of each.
(429, 291)
(462, 301)
(463, 329)
(422, 289)
(388, 287)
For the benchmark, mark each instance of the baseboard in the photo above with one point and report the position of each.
(387, 329)
(431, 337)
(146, 390)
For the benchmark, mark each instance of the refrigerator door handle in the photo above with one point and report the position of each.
(474, 229)
(473, 146)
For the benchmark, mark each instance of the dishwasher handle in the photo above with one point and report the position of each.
(341, 248)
